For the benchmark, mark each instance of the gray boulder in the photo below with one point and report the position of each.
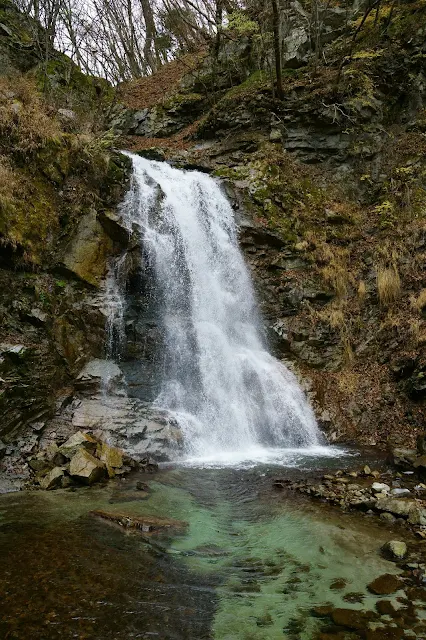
(397, 506)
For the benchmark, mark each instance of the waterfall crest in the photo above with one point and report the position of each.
(219, 380)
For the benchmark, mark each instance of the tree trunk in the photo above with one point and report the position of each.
(277, 48)
(150, 48)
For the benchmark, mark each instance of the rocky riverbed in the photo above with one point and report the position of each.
(396, 493)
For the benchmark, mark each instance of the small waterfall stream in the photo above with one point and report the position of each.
(228, 394)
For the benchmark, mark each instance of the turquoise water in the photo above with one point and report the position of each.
(250, 565)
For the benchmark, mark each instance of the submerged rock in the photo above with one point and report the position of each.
(144, 523)
(384, 585)
(86, 468)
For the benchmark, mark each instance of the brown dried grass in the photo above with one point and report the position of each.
(25, 122)
(388, 284)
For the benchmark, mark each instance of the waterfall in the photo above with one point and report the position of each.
(219, 380)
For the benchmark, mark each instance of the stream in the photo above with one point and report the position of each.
(251, 564)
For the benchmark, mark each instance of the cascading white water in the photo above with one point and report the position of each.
(226, 391)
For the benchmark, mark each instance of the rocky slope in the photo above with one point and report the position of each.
(329, 184)
(59, 181)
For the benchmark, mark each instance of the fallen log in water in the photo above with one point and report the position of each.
(145, 524)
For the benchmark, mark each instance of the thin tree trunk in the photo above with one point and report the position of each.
(277, 49)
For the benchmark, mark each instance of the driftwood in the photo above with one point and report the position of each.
(145, 524)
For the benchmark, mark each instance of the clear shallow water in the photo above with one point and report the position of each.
(250, 566)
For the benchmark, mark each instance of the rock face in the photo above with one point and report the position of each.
(117, 420)
(86, 255)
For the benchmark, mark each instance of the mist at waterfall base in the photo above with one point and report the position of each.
(235, 403)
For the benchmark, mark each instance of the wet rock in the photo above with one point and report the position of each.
(112, 224)
(40, 465)
(3, 449)
(141, 486)
(131, 425)
(395, 549)
(110, 456)
(99, 374)
(354, 597)
(403, 458)
(76, 443)
(86, 255)
(387, 517)
(417, 516)
(144, 523)
(53, 479)
(398, 493)
(421, 444)
(86, 468)
(351, 619)
(323, 611)
(384, 585)
(377, 487)
(397, 506)
(339, 583)
(385, 608)
(153, 153)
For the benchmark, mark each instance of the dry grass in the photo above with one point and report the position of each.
(8, 183)
(419, 303)
(388, 284)
(25, 124)
(362, 291)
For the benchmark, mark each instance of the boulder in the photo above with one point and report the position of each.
(403, 458)
(53, 479)
(86, 468)
(86, 255)
(99, 374)
(417, 516)
(378, 487)
(384, 585)
(421, 444)
(351, 618)
(152, 153)
(395, 549)
(420, 463)
(399, 492)
(110, 456)
(113, 225)
(397, 506)
(77, 442)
